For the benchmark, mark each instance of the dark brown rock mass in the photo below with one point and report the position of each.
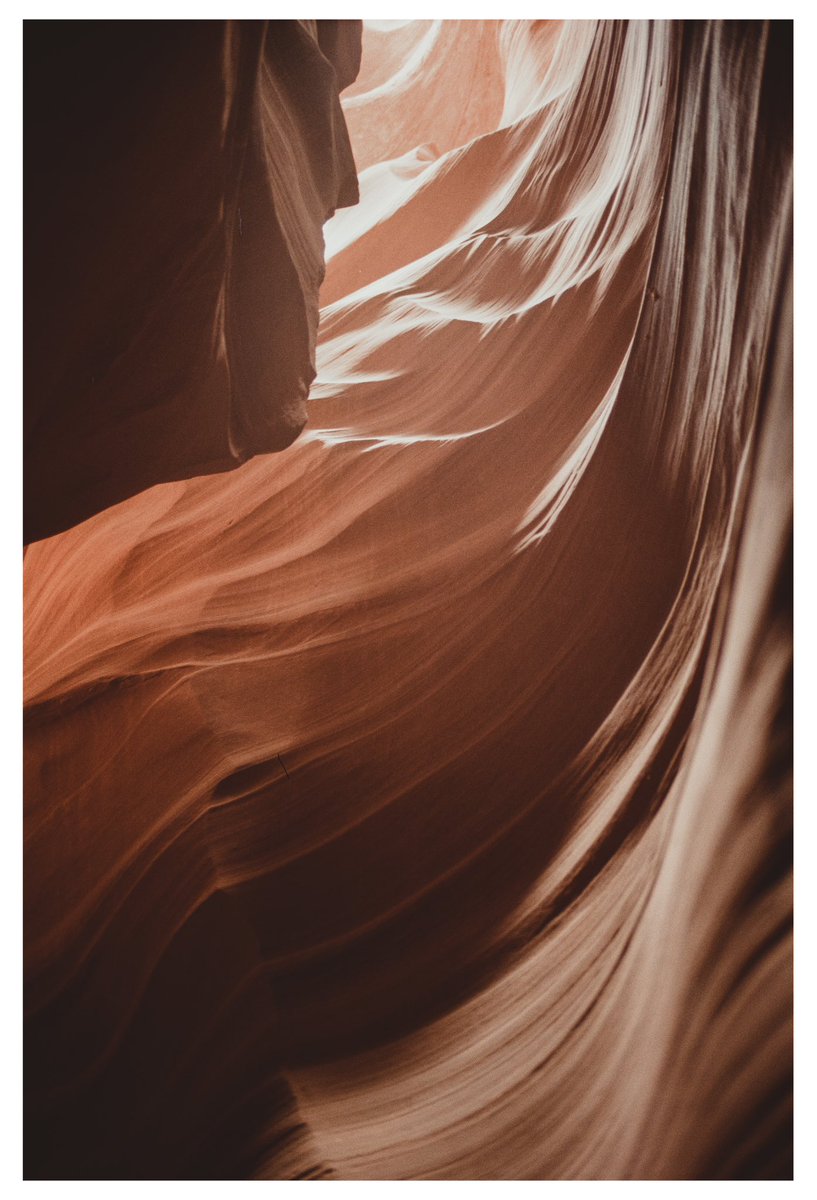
(177, 177)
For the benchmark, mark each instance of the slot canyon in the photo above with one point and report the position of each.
(408, 602)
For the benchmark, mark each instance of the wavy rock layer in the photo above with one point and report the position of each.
(417, 804)
(177, 178)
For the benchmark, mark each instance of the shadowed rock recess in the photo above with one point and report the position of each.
(415, 803)
(177, 176)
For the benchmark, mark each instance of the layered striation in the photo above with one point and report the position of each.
(416, 804)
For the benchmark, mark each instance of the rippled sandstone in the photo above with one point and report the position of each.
(417, 803)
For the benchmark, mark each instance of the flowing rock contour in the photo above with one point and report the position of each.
(417, 804)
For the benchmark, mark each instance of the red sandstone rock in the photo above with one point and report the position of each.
(417, 804)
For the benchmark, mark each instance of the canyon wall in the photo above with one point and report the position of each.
(417, 803)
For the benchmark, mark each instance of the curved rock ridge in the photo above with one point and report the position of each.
(177, 177)
(417, 804)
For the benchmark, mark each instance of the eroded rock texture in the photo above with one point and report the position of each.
(177, 178)
(416, 804)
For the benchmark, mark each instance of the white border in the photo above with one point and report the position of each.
(805, 572)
